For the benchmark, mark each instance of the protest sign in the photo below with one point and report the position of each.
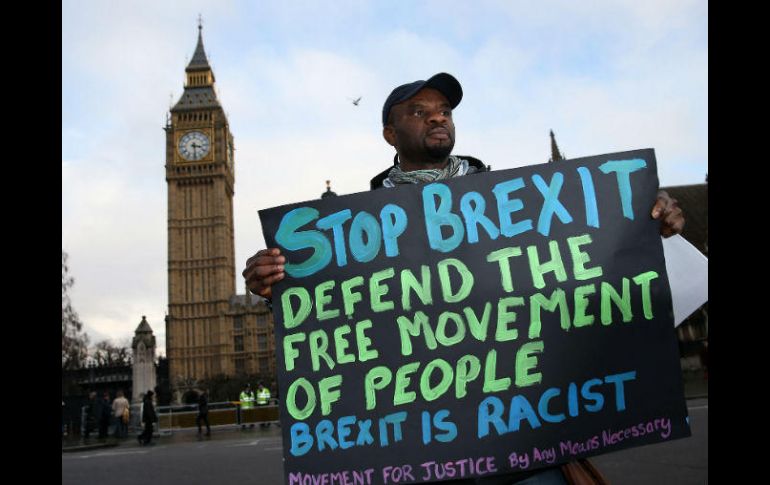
(476, 326)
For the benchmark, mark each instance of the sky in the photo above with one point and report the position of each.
(605, 76)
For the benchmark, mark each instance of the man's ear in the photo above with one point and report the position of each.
(389, 133)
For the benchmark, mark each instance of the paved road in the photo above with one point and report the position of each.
(251, 456)
(254, 456)
(678, 462)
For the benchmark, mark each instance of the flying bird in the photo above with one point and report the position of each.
(356, 101)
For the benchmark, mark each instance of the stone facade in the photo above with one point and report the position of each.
(143, 369)
(209, 329)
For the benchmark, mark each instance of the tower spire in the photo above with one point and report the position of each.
(556, 155)
(199, 60)
(199, 86)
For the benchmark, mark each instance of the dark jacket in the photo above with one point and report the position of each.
(92, 411)
(376, 182)
(203, 405)
(477, 166)
(148, 411)
(104, 411)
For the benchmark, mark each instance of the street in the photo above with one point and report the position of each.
(230, 456)
(678, 462)
(254, 456)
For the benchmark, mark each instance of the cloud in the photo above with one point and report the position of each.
(605, 76)
(116, 238)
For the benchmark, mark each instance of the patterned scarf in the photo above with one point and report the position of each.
(452, 169)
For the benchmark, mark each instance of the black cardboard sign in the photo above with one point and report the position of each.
(482, 325)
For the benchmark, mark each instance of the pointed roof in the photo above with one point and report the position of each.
(556, 155)
(143, 327)
(200, 96)
(144, 334)
(199, 60)
(197, 98)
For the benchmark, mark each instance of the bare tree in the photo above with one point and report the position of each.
(107, 353)
(74, 342)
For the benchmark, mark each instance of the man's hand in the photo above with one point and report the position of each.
(262, 270)
(670, 214)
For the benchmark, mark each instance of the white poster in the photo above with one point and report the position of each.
(688, 272)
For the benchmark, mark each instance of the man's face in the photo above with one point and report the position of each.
(422, 127)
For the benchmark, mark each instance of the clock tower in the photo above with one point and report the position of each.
(201, 253)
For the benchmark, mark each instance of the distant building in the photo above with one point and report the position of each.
(144, 371)
(328, 192)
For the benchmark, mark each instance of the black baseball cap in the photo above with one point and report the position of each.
(445, 83)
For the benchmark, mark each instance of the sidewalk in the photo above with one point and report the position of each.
(183, 457)
(183, 435)
(695, 384)
(695, 387)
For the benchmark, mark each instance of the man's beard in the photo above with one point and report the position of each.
(440, 152)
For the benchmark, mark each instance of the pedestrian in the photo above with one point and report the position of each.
(417, 122)
(203, 413)
(263, 399)
(148, 418)
(247, 399)
(105, 412)
(92, 415)
(121, 413)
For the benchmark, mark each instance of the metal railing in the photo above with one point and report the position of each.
(183, 416)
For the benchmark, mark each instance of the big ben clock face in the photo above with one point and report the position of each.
(194, 145)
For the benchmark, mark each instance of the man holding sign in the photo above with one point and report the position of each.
(417, 122)
(421, 129)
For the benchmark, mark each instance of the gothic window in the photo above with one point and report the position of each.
(238, 343)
